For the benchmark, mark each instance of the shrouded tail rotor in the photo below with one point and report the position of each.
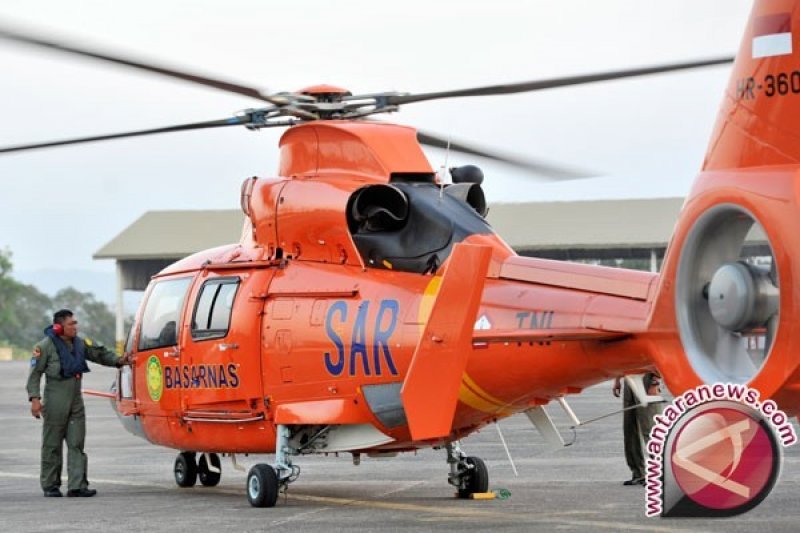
(727, 295)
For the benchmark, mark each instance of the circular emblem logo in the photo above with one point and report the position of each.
(155, 378)
(724, 459)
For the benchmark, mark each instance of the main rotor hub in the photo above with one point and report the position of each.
(325, 93)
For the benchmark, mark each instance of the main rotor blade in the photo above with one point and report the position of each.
(528, 86)
(547, 170)
(168, 129)
(13, 35)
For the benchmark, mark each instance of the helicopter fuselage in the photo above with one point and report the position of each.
(314, 318)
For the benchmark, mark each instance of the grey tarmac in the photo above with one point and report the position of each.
(578, 488)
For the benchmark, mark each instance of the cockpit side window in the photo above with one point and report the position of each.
(162, 314)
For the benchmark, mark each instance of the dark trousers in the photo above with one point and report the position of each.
(636, 425)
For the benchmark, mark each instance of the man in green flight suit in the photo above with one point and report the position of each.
(637, 421)
(61, 356)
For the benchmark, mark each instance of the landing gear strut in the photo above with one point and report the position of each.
(467, 474)
(264, 482)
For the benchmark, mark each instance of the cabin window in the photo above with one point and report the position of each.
(162, 314)
(212, 312)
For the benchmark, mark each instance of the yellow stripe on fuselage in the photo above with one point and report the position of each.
(470, 393)
(473, 395)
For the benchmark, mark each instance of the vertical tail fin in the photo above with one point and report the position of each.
(726, 309)
(430, 390)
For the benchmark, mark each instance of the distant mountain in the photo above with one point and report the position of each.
(101, 284)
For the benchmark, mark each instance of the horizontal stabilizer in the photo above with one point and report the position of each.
(430, 390)
(624, 283)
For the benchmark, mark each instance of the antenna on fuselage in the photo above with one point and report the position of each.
(508, 452)
(443, 175)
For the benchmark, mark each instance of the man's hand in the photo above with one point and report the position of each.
(126, 359)
(617, 388)
(36, 408)
(37, 352)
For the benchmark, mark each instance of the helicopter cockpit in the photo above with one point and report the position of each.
(412, 223)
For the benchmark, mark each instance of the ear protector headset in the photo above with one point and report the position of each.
(58, 329)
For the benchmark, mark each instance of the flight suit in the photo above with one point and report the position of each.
(636, 426)
(63, 412)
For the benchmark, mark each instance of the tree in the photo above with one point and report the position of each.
(96, 320)
(24, 311)
(8, 292)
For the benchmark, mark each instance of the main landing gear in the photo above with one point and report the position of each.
(468, 475)
(188, 469)
(264, 482)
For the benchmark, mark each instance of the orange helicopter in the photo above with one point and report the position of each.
(369, 308)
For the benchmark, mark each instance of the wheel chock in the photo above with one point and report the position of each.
(482, 496)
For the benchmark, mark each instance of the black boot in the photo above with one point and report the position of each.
(81, 493)
(52, 492)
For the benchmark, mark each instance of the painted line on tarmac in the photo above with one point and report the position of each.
(19, 475)
(560, 518)
(395, 506)
(401, 489)
(445, 511)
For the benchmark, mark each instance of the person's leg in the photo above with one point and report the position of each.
(630, 429)
(55, 414)
(644, 420)
(76, 458)
(76, 438)
(51, 462)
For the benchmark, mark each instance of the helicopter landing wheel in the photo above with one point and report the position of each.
(262, 486)
(476, 478)
(209, 477)
(185, 469)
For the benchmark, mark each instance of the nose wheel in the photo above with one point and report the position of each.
(209, 469)
(185, 469)
(188, 469)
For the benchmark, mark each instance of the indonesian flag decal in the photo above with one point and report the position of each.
(772, 35)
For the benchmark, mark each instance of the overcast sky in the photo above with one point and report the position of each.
(646, 137)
